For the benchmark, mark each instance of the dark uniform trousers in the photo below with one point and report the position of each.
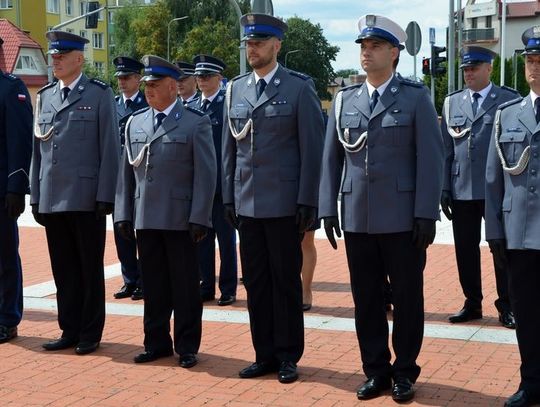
(169, 259)
(467, 224)
(369, 257)
(226, 235)
(126, 251)
(271, 257)
(76, 243)
(11, 291)
(524, 279)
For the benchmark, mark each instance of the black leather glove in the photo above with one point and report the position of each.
(38, 217)
(230, 215)
(423, 232)
(497, 247)
(446, 204)
(331, 224)
(14, 204)
(125, 229)
(197, 232)
(305, 216)
(104, 209)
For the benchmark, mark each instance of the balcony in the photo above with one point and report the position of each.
(479, 35)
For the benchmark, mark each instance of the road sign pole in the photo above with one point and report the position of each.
(432, 42)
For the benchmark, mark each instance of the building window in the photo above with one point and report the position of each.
(6, 4)
(97, 40)
(69, 30)
(26, 62)
(83, 7)
(82, 33)
(69, 7)
(488, 21)
(53, 6)
(474, 22)
(98, 66)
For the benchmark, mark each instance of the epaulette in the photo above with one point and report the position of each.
(409, 82)
(240, 76)
(455, 92)
(144, 109)
(47, 86)
(510, 103)
(194, 110)
(299, 74)
(353, 86)
(9, 76)
(101, 84)
(117, 98)
(510, 89)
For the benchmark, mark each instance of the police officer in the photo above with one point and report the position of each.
(272, 145)
(131, 99)
(187, 85)
(467, 121)
(165, 190)
(513, 214)
(73, 178)
(384, 137)
(208, 74)
(15, 154)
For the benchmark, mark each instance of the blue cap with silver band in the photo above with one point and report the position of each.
(471, 56)
(531, 40)
(187, 68)
(61, 42)
(375, 26)
(262, 26)
(126, 66)
(156, 68)
(208, 65)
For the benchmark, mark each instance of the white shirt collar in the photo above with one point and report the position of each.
(268, 77)
(167, 110)
(132, 98)
(483, 94)
(210, 98)
(72, 84)
(189, 99)
(381, 88)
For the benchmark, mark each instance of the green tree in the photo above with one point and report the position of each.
(509, 74)
(315, 55)
(213, 38)
(345, 73)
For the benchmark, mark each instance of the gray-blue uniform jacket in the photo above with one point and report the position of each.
(124, 113)
(513, 201)
(78, 165)
(397, 175)
(276, 166)
(465, 163)
(175, 181)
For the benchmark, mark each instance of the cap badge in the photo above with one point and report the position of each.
(371, 20)
(251, 19)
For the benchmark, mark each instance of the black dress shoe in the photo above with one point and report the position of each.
(151, 355)
(207, 297)
(287, 372)
(137, 294)
(84, 348)
(7, 333)
(188, 360)
(59, 344)
(373, 387)
(403, 389)
(226, 300)
(506, 318)
(466, 314)
(258, 369)
(125, 292)
(521, 399)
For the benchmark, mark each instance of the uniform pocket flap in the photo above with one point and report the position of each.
(396, 119)
(347, 185)
(512, 137)
(277, 110)
(181, 193)
(87, 172)
(45, 118)
(238, 113)
(351, 122)
(457, 121)
(174, 138)
(405, 184)
(82, 115)
(138, 138)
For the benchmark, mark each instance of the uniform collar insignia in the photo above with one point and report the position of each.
(249, 82)
(138, 99)
(277, 81)
(464, 96)
(360, 91)
(220, 98)
(393, 89)
(493, 95)
(523, 102)
(80, 88)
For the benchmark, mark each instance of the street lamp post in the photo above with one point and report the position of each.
(169, 33)
(294, 51)
(238, 12)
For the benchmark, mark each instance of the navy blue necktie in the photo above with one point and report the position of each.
(373, 100)
(204, 105)
(261, 85)
(128, 103)
(65, 93)
(537, 105)
(475, 96)
(158, 119)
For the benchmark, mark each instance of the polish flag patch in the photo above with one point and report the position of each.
(21, 97)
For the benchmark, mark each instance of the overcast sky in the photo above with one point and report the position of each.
(339, 20)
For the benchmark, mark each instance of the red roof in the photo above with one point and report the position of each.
(14, 39)
(523, 9)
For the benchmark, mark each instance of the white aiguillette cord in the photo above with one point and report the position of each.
(344, 137)
(37, 131)
(523, 160)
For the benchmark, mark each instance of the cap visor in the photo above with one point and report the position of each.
(257, 36)
(124, 73)
(55, 51)
(148, 78)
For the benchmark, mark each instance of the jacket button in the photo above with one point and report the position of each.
(533, 171)
(535, 155)
(54, 161)
(55, 146)
(150, 179)
(56, 132)
(532, 189)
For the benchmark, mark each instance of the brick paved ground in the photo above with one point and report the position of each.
(454, 372)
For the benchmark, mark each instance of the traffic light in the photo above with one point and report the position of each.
(436, 61)
(92, 20)
(426, 70)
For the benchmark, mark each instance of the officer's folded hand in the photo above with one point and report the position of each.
(125, 229)
(14, 204)
(331, 224)
(497, 247)
(104, 209)
(197, 232)
(446, 204)
(230, 215)
(38, 217)
(305, 216)
(423, 232)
